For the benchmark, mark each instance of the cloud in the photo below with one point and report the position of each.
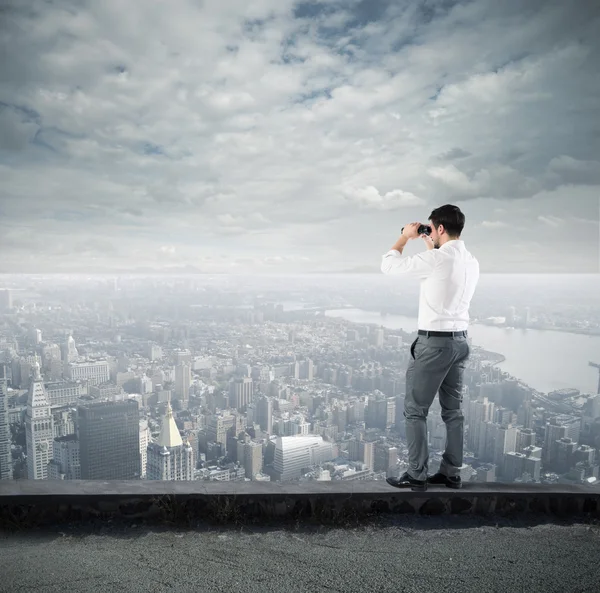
(553, 221)
(370, 198)
(231, 127)
(493, 224)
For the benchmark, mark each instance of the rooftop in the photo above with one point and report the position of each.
(315, 536)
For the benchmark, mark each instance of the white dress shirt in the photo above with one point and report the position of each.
(448, 275)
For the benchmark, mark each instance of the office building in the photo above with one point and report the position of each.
(253, 459)
(65, 464)
(183, 381)
(5, 439)
(241, 392)
(109, 440)
(264, 413)
(295, 454)
(39, 428)
(94, 372)
(170, 457)
(144, 442)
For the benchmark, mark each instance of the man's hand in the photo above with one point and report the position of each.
(428, 241)
(411, 231)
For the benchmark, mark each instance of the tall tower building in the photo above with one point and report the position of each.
(144, 442)
(253, 459)
(242, 390)
(5, 441)
(183, 381)
(69, 350)
(109, 440)
(170, 458)
(39, 428)
(264, 414)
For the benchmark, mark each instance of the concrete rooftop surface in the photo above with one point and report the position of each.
(397, 554)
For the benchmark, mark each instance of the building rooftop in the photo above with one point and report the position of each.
(314, 536)
(451, 553)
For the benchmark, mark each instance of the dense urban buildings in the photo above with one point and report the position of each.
(200, 379)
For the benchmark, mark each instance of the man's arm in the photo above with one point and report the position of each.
(420, 265)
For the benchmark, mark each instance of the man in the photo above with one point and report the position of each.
(449, 275)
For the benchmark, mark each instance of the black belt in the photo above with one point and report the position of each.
(423, 332)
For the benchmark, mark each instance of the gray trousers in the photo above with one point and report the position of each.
(436, 364)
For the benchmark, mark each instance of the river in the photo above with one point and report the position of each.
(544, 360)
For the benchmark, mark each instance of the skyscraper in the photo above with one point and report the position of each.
(242, 390)
(170, 458)
(39, 428)
(5, 455)
(109, 440)
(253, 459)
(264, 414)
(183, 381)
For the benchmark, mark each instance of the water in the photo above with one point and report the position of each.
(544, 360)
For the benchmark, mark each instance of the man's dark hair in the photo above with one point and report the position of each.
(450, 217)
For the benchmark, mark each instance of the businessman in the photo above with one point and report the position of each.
(449, 275)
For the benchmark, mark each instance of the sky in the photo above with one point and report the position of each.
(277, 136)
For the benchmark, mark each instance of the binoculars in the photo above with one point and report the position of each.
(424, 229)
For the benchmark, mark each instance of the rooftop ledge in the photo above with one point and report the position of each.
(27, 503)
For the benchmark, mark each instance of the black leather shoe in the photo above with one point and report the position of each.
(442, 480)
(405, 481)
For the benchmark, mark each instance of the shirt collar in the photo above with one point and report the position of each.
(456, 242)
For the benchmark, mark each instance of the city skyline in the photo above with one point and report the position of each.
(296, 136)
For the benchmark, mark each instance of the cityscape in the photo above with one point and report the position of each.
(233, 378)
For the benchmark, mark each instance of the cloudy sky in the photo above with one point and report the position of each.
(282, 136)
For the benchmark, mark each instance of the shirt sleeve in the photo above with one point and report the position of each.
(420, 265)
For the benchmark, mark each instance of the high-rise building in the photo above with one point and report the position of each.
(480, 411)
(264, 413)
(294, 454)
(144, 442)
(170, 457)
(109, 440)
(5, 440)
(69, 350)
(386, 457)
(5, 300)
(39, 428)
(253, 459)
(525, 438)
(65, 464)
(183, 381)
(242, 390)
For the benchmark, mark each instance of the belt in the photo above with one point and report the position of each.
(436, 334)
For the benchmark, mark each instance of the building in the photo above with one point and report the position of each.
(5, 440)
(144, 442)
(69, 350)
(294, 454)
(95, 372)
(64, 393)
(5, 300)
(241, 391)
(65, 464)
(386, 458)
(170, 458)
(253, 459)
(109, 440)
(264, 413)
(183, 381)
(39, 428)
